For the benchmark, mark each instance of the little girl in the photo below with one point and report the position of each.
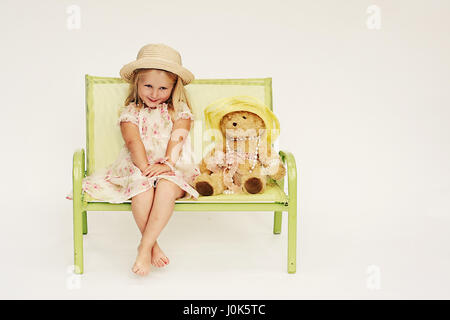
(156, 164)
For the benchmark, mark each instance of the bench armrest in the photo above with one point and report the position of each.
(289, 160)
(78, 173)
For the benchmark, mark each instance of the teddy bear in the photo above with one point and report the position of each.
(241, 160)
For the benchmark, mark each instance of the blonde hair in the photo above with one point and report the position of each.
(177, 96)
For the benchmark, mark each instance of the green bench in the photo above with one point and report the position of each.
(104, 98)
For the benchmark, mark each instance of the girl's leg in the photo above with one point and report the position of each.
(140, 206)
(163, 203)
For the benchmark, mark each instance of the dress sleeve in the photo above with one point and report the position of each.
(129, 113)
(183, 112)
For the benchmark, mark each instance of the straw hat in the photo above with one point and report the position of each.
(215, 111)
(157, 56)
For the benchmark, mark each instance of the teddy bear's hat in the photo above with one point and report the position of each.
(215, 111)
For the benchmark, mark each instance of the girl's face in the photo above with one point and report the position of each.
(154, 87)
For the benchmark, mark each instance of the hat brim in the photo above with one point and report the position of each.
(127, 70)
(218, 109)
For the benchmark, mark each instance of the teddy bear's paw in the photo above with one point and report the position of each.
(254, 185)
(280, 173)
(204, 188)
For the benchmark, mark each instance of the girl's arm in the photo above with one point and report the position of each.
(180, 131)
(130, 134)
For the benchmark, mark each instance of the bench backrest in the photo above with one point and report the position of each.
(105, 97)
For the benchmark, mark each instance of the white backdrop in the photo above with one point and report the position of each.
(365, 110)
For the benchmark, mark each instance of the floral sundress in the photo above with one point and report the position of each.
(122, 180)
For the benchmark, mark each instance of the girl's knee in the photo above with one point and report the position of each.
(143, 197)
(144, 194)
(169, 188)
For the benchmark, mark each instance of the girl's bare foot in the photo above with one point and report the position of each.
(159, 259)
(143, 261)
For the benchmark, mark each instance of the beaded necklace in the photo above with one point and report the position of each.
(232, 154)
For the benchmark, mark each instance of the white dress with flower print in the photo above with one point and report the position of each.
(122, 180)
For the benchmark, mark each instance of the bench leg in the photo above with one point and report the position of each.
(277, 219)
(292, 237)
(278, 215)
(85, 228)
(78, 237)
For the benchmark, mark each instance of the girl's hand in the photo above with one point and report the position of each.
(157, 169)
